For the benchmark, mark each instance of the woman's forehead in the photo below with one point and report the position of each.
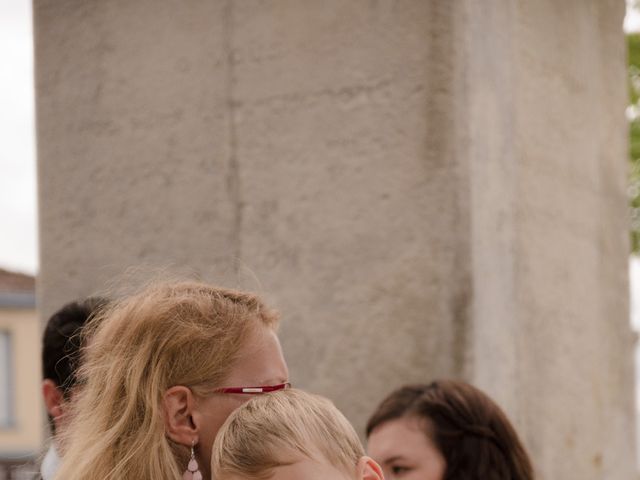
(260, 360)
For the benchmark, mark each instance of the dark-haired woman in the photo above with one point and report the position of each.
(444, 431)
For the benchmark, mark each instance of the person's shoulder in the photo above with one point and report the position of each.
(50, 464)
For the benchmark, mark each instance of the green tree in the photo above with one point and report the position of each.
(633, 113)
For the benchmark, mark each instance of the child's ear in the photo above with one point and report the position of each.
(368, 469)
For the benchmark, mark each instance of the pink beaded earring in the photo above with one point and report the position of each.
(192, 472)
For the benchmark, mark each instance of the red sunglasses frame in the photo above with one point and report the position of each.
(253, 390)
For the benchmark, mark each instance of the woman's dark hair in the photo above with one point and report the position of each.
(473, 434)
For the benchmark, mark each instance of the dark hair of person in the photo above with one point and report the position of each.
(473, 434)
(62, 341)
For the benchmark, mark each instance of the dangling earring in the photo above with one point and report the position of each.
(192, 472)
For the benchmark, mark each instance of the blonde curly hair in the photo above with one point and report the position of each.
(169, 334)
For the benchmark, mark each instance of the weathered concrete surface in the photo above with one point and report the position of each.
(549, 230)
(346, 112)
(424, 189)
(133, 141)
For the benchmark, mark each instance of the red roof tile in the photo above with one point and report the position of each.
(16, 282)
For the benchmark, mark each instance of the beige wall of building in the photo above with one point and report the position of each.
(423, 188)
(24, 437)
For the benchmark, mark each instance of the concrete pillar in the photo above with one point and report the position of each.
(549, 228)
(424, 189)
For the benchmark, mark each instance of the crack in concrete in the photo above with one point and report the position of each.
(233, 175)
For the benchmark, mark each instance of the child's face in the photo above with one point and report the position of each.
(308, 469)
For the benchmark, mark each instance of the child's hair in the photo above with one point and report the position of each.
(169, 334)
(275, 429)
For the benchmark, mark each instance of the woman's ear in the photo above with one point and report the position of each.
(368, 469)
(177, 404)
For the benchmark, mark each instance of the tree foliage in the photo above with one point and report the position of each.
(633, 114)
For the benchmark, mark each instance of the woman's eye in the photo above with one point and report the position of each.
(399, 470)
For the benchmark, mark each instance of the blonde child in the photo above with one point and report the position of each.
(290, 435)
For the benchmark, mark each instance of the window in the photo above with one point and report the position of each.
(6, 381)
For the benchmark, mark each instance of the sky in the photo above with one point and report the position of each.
(18, 220)
(632, 18)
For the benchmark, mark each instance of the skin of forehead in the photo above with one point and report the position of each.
(304, 468)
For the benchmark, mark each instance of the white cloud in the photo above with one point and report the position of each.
(18, 230)
(632, 18)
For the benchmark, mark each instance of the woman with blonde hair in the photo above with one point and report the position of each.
(162, 371)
